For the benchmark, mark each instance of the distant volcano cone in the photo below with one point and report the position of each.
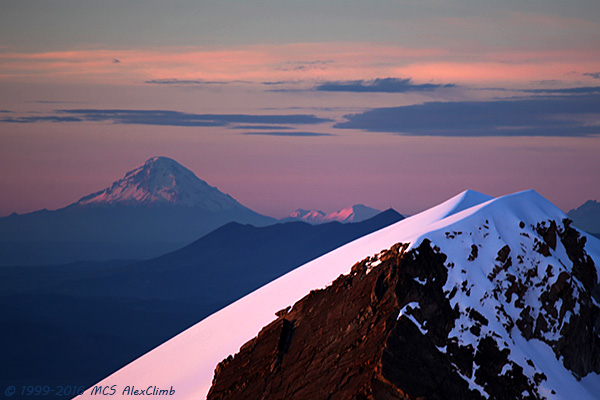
(162, 181)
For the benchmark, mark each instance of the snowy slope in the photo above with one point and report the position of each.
(470, 219)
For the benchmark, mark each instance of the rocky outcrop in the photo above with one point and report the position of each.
(414, 324)
(568, 313)
(377, 333)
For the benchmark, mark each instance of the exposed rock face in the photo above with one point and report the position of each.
(393, 328)
(579, 341)
(347, 341)
(358, 339)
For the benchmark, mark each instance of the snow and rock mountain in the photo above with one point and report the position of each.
(474, 298)
(158, 207)
(162, 181)
(587, 216)
(355, 213)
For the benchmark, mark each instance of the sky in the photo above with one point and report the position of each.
(302, 104)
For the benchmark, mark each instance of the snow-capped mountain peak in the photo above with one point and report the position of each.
(463, 201)
(311, 216)
(161, 181)
(519, 280)
(354, 213)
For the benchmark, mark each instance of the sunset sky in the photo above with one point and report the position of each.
(287, 104)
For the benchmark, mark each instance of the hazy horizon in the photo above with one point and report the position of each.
(327, 211)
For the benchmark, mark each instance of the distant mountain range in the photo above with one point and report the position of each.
(156, 208)
(355, 213)
(587, 217)
(80, 322)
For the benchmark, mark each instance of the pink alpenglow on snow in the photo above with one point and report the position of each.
(187, 362)
(355, 213)
(161, 181)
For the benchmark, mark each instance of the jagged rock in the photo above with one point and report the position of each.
(385, 332)
(373, 334)
(567, 308)
(584, 268)
(474, 251)
(548, 233)
(503, 254)
(491, 361)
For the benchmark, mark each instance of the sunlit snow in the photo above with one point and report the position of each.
(187, 362)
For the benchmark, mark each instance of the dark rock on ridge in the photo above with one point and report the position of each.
(395, 327)
(376, 333)
(579, 342)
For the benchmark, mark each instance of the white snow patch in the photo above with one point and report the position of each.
(421, 281)
(407, 308)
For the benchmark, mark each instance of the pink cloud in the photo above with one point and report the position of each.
(488, 72)
(254, 63)
(299, 62)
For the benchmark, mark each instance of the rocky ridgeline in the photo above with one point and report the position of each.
(400, 325)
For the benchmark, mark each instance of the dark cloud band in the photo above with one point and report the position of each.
(566, 115)
(176, 118)
(173, 118)
(34, 119)
(574, 90)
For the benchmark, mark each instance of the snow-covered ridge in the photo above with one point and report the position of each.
(466, 222)
(161, 181)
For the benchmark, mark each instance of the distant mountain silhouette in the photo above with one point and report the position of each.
(80, 322)
(587, 217)
(156, 208)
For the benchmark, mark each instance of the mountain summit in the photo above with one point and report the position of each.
(474, 298)
(162, 181)
(156, 208)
